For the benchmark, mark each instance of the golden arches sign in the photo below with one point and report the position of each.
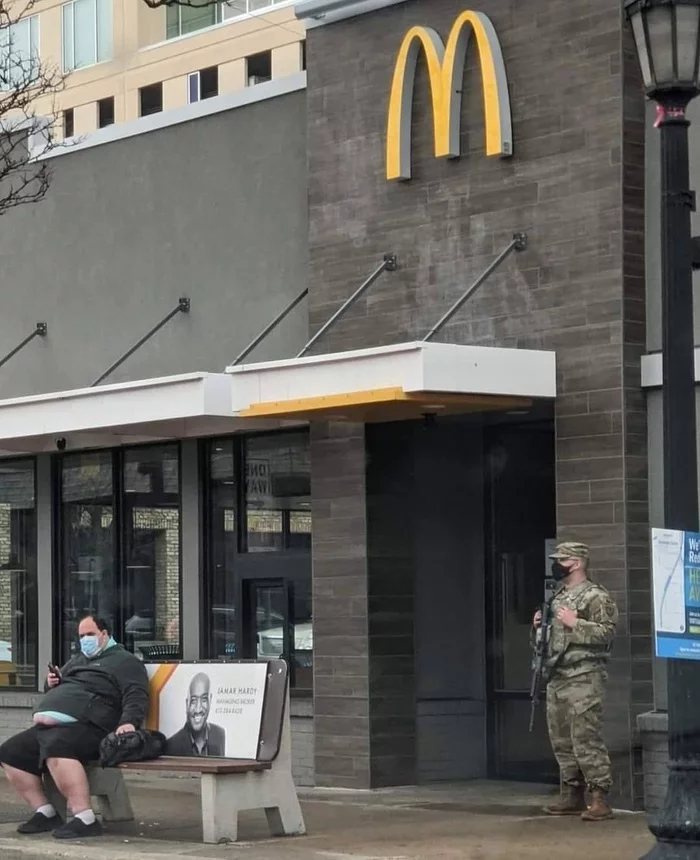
(446, 71)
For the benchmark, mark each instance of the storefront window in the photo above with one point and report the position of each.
(151, 585)
(88, 582)
(120, 524)
(259, 551)
(18, 607)
(277, 493)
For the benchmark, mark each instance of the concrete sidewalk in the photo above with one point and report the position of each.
(472, 821)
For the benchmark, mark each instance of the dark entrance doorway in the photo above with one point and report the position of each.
(520, 517)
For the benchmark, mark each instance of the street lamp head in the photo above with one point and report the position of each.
(667, 36)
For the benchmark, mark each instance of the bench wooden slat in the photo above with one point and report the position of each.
(192, 764)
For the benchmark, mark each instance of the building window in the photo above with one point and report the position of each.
(105, 112)
(259, 68)
(302, 48)
(151, 99)
(68, 123)
(181, 20)
(18, 604)
(19, 53)
(87, 33)
(258, 514)
(203, 84)
(120, 546)
(277, 495)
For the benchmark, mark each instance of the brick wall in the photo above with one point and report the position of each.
(16, 713)
(575, 185)
(302, 723)
(653, 728)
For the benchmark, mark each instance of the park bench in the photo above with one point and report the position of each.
(228, 785)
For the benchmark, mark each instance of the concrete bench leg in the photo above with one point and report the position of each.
(224, 796)
(106, 785)
(286, 819)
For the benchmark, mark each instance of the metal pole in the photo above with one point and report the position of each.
(183, 307)
(678, 827)
(40, 331)
(389, 264)
(518, 243)
(275, 322)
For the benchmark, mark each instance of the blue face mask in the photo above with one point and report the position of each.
(89, 645)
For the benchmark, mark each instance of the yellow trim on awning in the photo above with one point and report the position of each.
(381, 404)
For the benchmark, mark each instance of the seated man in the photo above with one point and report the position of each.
(100, 690)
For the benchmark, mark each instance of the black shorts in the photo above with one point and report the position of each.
(29, 750)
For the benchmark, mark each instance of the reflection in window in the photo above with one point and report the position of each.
(152, 549)
(18, 612)
(259, 601)
(87, 519)
(277, 492)
(140, 594)
(222, 548)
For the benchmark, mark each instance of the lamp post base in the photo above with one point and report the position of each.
(677, 828)
(674, 851)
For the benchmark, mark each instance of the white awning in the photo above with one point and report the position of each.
(391, 382)
(652, 369)
(171, 407)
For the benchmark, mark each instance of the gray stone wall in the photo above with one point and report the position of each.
(653, 728)
(576, 186)
(213, 209)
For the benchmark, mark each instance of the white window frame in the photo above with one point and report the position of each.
(222, 18)
(194, 76)
(29, 52)
(69, 9)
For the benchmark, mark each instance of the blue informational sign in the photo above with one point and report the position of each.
(676, 576)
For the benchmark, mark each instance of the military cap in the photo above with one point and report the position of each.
(570, 549)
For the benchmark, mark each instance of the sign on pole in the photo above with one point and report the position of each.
(676, 581)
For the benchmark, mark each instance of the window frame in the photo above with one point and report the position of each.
(288, 565)
(32, 21)
(118, 460)
(71, 4)
(222, 21)
(32, 686)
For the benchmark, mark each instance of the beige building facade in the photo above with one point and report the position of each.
(125, 60)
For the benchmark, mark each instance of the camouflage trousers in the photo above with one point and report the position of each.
(574, 719)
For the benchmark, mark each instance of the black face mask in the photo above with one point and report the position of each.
(559, 572)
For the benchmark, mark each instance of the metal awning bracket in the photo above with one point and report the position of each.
(41, 330)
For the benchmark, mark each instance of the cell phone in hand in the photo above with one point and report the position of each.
(54, 670)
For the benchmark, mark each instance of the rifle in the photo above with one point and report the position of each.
(541, 642)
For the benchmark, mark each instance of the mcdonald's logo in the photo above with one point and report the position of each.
(446, 72)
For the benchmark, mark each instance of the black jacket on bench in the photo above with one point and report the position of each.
(107, 690)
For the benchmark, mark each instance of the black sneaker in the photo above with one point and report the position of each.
(77, 829)
(39, 823)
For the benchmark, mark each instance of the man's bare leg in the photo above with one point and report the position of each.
(71, 780)
(27, 785)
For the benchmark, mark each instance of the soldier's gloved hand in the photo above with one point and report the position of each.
(568, 617)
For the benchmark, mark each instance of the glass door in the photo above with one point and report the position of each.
(521, 518)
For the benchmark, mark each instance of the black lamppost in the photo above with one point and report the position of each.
(667, 35)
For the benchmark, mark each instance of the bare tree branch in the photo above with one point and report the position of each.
(239, 5)
(25, 82)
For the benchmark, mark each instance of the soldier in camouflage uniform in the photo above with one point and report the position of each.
(584, 617)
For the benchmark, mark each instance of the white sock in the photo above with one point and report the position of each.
(87, 816)
(47, 810)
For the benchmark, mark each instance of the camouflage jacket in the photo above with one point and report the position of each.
(585, 648)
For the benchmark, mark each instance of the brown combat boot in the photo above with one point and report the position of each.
(571, 802)
(599, 810)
